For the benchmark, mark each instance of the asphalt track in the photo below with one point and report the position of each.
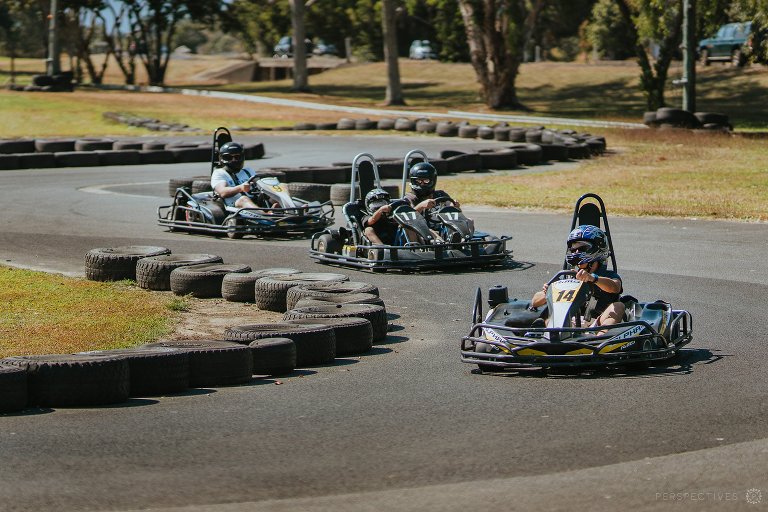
(407, 427)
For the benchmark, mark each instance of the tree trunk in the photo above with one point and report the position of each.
(394, 95)
(495, 58)
(300, 81)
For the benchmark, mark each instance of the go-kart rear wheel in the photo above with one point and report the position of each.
(233, 223)
(328, 244)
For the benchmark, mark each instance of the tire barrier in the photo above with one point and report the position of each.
(121, 145)
(148, 122)
(117, 263)
(8, 162)
(8, 146)
(311, 191)
(119, 157)
(76, 159)
(213, 362)
(353, 335)
(153, 371)
(447, 129)
(341, 298)
(330, 289)
(70, 380)
(315, 343)
(273, 356)
(240, 287)
(36, 160)
(154, 272)
(93, 144)
(13, 388)
(203, 281)
(425, 126)
(375, 314)
(270, 292)
(155, 157)
(54, 145)
(666, 117)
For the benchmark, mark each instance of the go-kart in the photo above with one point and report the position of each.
(415, 246)
(277, 213)
(514, 335)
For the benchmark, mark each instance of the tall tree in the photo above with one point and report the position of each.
(300, 74)
(653, 20)
(497, 32)
(394, 95)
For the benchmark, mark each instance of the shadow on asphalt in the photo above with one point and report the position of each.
(32, 411)
(131, 402)
(391, 340)
(683, 364)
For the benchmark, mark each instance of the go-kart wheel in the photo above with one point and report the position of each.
(327, 244)
(375, 255)
(232, 223)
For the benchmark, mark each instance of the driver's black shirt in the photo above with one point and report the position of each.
(385, 228)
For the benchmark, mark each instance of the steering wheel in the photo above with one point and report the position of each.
(439, 204)
(562, 273)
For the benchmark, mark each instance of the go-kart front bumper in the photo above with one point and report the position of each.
(624, 343)
(416, 257)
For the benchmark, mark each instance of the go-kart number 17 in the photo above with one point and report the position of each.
(452, 215)
(406, 216)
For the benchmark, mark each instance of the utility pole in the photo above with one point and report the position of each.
(52, 67)
(689, 55)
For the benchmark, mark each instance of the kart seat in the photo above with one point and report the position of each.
(354, 214)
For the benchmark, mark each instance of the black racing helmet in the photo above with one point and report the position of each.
(375, 199)
(586, 244)
(423, 177)
(231, 157)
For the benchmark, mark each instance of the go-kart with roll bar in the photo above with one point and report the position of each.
(277, 212)
(415, 245)
(514, 335)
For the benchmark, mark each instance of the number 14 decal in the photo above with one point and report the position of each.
(565, 296)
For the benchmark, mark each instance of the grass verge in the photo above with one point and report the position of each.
(50, 313)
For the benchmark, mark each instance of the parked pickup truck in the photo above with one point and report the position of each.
(727, 45)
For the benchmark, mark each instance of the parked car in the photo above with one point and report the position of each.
(421, 49)
(727, 45)
(323, 48)
(284, 48)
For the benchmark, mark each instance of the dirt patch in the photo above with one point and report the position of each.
(209, 318)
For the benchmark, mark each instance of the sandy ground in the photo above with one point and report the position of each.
(209, 318)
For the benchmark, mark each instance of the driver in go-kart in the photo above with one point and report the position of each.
(230, 180)
(587, 251)
(379, 227)
(423, 196)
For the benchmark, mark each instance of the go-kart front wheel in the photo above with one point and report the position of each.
(327, 244)
(232, 223)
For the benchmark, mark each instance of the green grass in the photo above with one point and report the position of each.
(49, 313)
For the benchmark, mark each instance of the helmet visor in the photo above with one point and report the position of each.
(231, 157)
(422, 181)
(575, 247)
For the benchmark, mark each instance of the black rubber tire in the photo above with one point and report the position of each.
(119, 157)
(304, 126)
(153, 371)
(501, 133)
(527, 154)
(550, 152)
(327, 289)
(42, 80)
(447, 129)
(365, 124)
(159, 156)
(677, 117)
(57, 380)
(36, 160)
(177, 183)
(712, 118)
(390, 169)
(385, 124)
(201, 186)
(533, 136)
(189, 155)
(339, 298)
(468, 131)
(403, 124)
(578, 151)
(304, 175)
(9, 162)
(239, 287)
(310, 191)
(426, 126)
(93, 144)
(448, 153)
(315, 343)
(254, 151)
(122, 145)
(649, 118)
(596, 146)
(154, 272)
(54, 145)
(13, 388)
(273, 356)
(116, 263)
(346, 123)
(353, 335)
(153, 145)
(10, 146)
(203, 281)
(326, 126)
(332, 174)
(503, 159)
(214, 363)
(270, 292)
(516, 134)
(339, 193)
(374, 314)
(76, 159)
(485, 132)
(464, 163)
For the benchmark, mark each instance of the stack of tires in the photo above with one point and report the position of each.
(670, 118)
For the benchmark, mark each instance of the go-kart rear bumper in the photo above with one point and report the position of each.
(517, 351)
(413, 257)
